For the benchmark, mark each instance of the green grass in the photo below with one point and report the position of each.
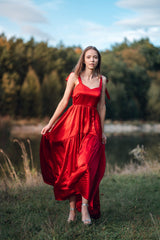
(130, 209)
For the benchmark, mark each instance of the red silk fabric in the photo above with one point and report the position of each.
(72, 155)
(107, 93)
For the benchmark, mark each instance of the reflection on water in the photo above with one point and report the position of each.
(117, 148)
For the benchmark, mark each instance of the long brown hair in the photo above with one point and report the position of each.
(81, 65)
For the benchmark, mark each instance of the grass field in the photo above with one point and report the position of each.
(130, 204)
(130, 209)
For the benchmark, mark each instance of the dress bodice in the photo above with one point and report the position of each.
(82, 116)
(83, 95)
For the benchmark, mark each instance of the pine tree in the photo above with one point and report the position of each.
(9, 96)
(153, 106)
(51, 89)
(31, 95)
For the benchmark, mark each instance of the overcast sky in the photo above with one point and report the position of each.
(101, 23)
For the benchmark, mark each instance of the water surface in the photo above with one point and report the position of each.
(117, 148)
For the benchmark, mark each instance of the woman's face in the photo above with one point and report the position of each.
(91, 59)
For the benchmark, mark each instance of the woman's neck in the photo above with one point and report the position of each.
(89, 74)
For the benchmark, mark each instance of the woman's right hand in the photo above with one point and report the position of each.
(46, 129)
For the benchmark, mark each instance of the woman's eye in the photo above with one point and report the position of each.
(95, 57)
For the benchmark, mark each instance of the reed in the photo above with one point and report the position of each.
(141, 161)
(10, 178)
(13, 178)
(26, 160)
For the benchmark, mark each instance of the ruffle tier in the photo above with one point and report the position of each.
(74, 166)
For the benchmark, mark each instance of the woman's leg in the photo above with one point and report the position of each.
(86, 219)
(72, 211)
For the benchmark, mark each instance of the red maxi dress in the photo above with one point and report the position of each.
(72, 155)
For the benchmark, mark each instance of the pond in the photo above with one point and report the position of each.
(117, 148)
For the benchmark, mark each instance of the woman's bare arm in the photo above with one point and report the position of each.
(62, 104)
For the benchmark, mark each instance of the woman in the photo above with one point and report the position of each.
(72, 150)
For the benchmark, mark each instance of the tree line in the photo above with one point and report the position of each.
(32, 78)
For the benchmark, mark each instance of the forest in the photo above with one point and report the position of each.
(32, 78)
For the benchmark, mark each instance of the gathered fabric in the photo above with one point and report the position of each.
(72, 155)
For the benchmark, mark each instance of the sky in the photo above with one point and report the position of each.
(101, 23)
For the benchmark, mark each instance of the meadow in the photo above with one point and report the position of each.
(130, 208)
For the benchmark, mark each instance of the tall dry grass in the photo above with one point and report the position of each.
(10, 178)
(141, 161)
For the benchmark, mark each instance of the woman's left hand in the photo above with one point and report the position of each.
(104, 138)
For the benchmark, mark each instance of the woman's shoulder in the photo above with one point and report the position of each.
(71, 77)
(104, 79)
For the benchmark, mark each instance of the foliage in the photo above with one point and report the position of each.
(133, 66)
(32, 77)
(154, 101)
(10, 91)
(30, 95)
(51, 88)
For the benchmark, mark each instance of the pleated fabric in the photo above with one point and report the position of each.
(72, 155)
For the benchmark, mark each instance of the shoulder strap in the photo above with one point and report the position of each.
(79, 79)
(68, 76)
(100, 82)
